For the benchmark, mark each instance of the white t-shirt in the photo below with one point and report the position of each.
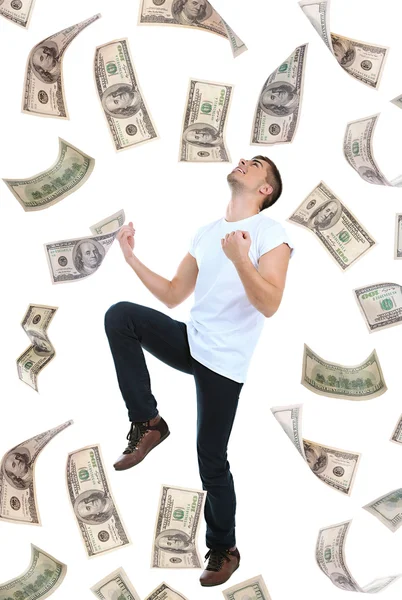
(224, 326)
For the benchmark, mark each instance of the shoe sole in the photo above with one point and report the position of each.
(215, 584)
(153, 447)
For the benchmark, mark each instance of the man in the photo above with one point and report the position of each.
(17, 468)
(121, 101)
(237, 266)
(344, 51)
(95, 507)
(40, 343)
(204, 135)
(325, 216)
(88, 256)
(46, 63)
(279, 99)
(190, 12)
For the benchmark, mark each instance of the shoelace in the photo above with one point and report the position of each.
(135, 435)
(216, 558)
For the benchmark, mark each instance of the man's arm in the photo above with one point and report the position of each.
(264, 286)
(170, 292)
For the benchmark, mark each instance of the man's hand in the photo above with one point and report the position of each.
(126, 240)
(236, 246)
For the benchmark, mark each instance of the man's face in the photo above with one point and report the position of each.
(171, 542)
(200, 137)
(278, 98)
(119, 99)
(89, 254)
(338, 52)
(41, 344)
(326, 213)
(43, 57)
(91, 506)
(16, 464)
(193, 8)
(250, 175)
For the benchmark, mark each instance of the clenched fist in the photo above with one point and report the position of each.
(236, 245)
(126, 240)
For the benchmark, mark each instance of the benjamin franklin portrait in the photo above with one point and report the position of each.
(17, 469)
(121, 101)
(93, 506)
(344, 51)
(174, 540)
(369, 175)
(325, 216)
(317, 459)
(40, 343)
(191, 12)
(202, 134)
(342, 582)
(279, 99)
(87, 256)
(45, 61)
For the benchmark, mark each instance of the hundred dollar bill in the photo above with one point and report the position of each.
(18, 501)
(95, 510)
(278, 110)
(109, 224)
(165, 592)
(44, 89)
(337, 468)
(187, 13)
(363, 61)
(17, 11)
(70, 171)
(252, 589)
(41, 351)
(334, 225)
(40, 580)
(397, 433)
(397, 101)
(380, 305)
(358, 151)
(71, 260)
(398, 237)
(176, 528)
(130, 122)
(115, 586)
(388, 509)
(360, 382)
(204, 123)
(330, 557)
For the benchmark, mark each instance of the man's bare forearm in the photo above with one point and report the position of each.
(264, 296)
(160, 287)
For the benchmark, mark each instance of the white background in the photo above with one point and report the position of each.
(281, 505)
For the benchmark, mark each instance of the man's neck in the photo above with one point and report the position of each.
(240, 207)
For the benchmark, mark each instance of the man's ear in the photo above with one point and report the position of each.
(266, 189)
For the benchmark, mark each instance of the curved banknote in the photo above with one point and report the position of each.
(380, 305)
(71, 260)
(94, 508)
(165, 592)
(40, 580)
(109, 224)
(337, 468)
(41, 351)
(330, 557)
(397, 101)
(130, 122)
(358, 151)
(44, 88)
(365, 62)
(278, 110)
(397, 433)
(176, 528)
(360, 382)
(187, 13)
(252, 589)
(115, 586)
(17, 11)
(334, 225)
(204, 123)
(388, 509)
(70, 171)
(18, 501)
(398, 237)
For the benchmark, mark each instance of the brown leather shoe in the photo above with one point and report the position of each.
(221, 566)
(142, 438)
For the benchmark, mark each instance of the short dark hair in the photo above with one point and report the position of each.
(275, 180)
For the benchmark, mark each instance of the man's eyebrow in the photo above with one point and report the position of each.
(257, 161)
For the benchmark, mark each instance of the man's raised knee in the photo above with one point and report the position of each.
(116, 315)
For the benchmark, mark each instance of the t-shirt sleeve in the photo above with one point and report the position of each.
(273, 236)
(193, 242)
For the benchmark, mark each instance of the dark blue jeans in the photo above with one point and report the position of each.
(132, 328)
